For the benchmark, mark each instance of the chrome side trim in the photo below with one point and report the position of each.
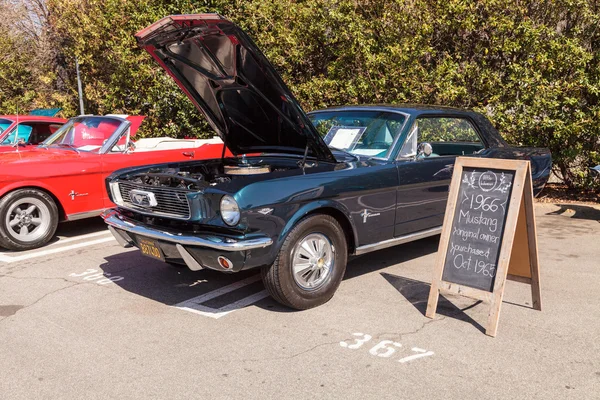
(114, 219)
(396, 241)
(86, 214)
(188, 259)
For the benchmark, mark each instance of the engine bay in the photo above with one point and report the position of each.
(199, 176)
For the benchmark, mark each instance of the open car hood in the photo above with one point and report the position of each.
(229, 79)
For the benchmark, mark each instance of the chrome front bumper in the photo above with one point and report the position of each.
(118, 223)
(112, 218)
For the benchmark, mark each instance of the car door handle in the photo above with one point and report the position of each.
(188, 154)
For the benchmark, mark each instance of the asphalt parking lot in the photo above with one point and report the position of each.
(85, 318)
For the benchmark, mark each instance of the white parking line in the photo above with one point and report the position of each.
(195, 306)
(10, 259)
(80, 237)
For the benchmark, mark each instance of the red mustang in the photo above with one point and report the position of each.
(63, 178)
(25, 130)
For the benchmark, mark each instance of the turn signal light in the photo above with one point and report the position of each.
(224, 262)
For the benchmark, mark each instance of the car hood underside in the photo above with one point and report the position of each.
(228, 78)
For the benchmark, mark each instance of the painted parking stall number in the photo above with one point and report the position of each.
(100, 278)
(385, 348)
(357, 342)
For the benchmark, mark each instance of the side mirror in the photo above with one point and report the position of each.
(130, 147)
(424, 150)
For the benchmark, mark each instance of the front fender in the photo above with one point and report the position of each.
(9, 187)
(312, 207)
(288, 219)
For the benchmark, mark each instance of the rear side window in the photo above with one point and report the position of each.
(42, 131)
(19, 134)
(449, 130)
(4, 123)
(31, 132)
(448, 136)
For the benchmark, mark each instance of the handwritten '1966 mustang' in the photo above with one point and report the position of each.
(303, 191)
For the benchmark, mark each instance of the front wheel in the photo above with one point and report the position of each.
(310, 264)
(28, 219)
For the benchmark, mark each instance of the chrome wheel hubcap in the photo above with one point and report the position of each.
(28, 219)
(313, 258)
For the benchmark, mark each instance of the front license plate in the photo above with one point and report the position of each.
(150, 248)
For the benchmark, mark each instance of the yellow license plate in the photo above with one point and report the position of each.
(150, 249)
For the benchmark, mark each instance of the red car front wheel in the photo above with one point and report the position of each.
(28, 219)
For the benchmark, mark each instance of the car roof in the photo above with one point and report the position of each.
(411, 109)
(491, 134)
(41, 118)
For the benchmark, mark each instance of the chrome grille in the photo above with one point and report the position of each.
(170, 202)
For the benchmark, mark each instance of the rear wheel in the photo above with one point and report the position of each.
(28, 219)
(310, 264)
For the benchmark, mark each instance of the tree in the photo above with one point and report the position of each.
(533, 67)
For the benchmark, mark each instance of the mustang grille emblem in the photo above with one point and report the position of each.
(366, 214)
(143, 199)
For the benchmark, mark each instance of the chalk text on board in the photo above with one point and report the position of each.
(476, 231)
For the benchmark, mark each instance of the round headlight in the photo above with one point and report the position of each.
(230, 211)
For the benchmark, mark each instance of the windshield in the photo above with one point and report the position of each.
(365, 133)
(4, 123)
(84, 133)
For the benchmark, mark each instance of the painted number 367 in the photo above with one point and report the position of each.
(385, 348)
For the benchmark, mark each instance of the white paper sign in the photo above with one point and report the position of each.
(344, 138)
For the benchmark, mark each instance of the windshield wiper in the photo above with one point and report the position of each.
(70, 146)
(356, 157)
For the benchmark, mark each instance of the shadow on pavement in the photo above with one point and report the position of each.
(381, 259)
(417, 294)
(81, 227)
(579, 212)
(68, 230)
(171, 285)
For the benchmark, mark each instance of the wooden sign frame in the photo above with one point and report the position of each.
(518, 257)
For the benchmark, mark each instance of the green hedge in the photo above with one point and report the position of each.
(533, 67)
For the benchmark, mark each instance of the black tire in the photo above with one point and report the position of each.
(43, 209)
(285, 286)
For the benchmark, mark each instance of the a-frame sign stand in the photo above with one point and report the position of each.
(518, 255)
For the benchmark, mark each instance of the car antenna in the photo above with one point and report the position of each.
(17, 128)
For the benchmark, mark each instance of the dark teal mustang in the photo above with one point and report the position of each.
(302, 192)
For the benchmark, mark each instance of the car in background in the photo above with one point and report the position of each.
(26, 130)
(337, 182)
(62, 179)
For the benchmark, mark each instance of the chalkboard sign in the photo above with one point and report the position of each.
(476, 231)
(488, 235)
